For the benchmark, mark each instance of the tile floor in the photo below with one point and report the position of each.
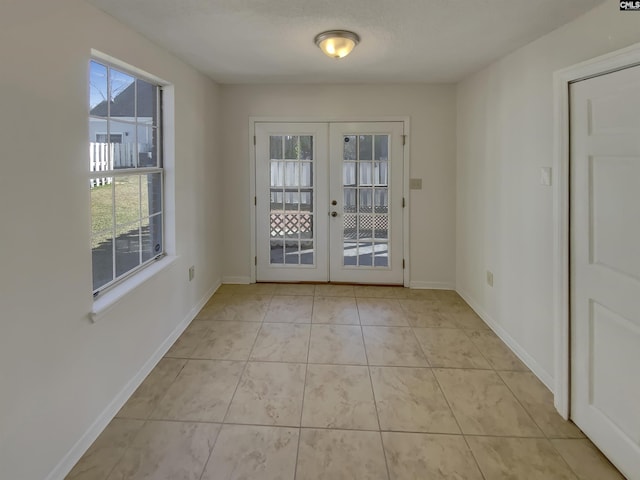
(340, 382)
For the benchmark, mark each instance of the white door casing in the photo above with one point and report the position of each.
(605, 264)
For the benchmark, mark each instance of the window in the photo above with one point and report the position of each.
(126, 175)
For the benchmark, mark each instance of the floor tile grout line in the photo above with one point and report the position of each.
(125, 450)
(304, 391)
(375, 406)
(444, 395)
(385, 430)
(523, 406)
(244, 369)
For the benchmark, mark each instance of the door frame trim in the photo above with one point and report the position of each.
(406, 121)
(601, 65)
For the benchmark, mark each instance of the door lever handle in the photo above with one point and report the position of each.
(334, 214)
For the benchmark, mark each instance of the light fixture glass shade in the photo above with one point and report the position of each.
(337, 43)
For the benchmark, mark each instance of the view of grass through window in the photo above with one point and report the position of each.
(126, 179)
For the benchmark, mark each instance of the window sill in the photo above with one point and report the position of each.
(108, 300)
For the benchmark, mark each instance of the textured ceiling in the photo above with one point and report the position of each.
(271, 41)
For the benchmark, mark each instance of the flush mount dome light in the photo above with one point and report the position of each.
(337, 43)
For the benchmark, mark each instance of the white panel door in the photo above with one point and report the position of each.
(291, 201)
(329, 202)
(366, 241)
(605, 264)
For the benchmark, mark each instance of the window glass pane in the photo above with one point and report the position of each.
(349, 151)
(380, 170)
(127, 199)
(277, 173)
(123, 146)
(277, 252)
(151, 232)
(349, 173)
(306, 147)
(277, 200)
(102, 260)
(98, 93)
(98, 130)
(101, 205)
(306, 177)
(365, 145)
(382, 200)
(366, 173)
(122, 95)
(350, 203)
(146, 102)
(291, 147)
(275, 147)
(381, 147)
(306, 252)
(127, 248)
(292, 174)
(147, 155)
(366, 200)
(306, 200)
(151, 194)
(381, 255)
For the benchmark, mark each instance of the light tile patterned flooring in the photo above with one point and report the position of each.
(340, 382)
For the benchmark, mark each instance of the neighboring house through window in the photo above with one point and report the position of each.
(126, 174)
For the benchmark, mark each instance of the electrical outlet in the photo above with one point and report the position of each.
(192, 272)
(489, 278)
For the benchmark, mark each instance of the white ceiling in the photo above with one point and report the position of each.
(271, 41)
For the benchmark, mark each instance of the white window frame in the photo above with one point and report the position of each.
(112, 291)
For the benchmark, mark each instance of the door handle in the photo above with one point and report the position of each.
(334, 214)
(334, 202)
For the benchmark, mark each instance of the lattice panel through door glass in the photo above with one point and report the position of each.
(366, 200)
(291, 215)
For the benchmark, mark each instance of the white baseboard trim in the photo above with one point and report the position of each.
(515, 347)
(75, 453)
(237, 280)
(418, 285)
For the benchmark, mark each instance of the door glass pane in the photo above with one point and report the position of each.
(290, 146)
(275, 147)
(366, 202)
(292, 193)
(350, 147)
(277, 252)
(306, 147)
(365, 147)
(381, 148)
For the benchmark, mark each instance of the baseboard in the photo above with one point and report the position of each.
(71, 458)
(237, 280)
(520, 352)
(431, 285)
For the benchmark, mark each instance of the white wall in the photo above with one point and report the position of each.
(58, 371)
(504, 215)
(432, 139)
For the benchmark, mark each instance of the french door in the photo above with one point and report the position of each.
(329, 202)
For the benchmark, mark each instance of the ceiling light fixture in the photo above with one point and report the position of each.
(337, 43)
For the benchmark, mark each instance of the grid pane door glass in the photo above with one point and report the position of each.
(365, 185)
(291, 213)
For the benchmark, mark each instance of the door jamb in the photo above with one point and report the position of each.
(608, 63)
(405, 176)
